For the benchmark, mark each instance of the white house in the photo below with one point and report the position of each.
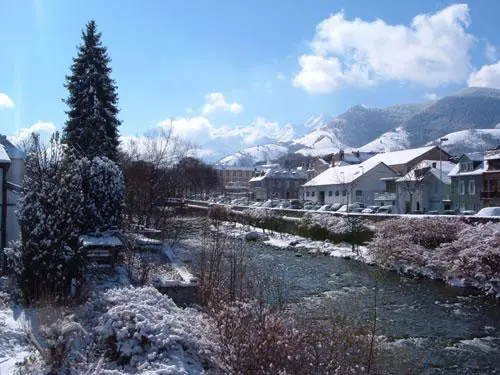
(348, 184)
(11, 176)
(425, 188)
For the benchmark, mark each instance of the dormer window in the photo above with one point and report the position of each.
(466, 166)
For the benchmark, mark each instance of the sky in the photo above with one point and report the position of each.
(250, 66)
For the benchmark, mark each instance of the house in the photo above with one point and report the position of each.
(467, 182)
(11, 176)
(343, 158)
(235, 180)
(490, 196)
(402, 162)
(425, 188)
(347, 184)
(276, 182)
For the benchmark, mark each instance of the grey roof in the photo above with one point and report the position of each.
(13, 150)
(4, 157)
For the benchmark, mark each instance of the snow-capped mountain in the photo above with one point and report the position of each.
(253, 155)
(470, 140)
(467, 118)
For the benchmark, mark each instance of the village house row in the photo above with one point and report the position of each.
(419, 180)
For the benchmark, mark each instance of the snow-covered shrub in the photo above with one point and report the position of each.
(219, 213)
(474, 257)
(50, 209)
(104, 190)
(255, 340)
(403, 242)
(141, 328)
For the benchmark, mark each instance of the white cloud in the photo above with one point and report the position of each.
(490, 52)
(430, 96)
(216, 101)
(5, 101)
(487, 76)
(431, 51)
(44, 129)
(200, 130)
(280, 76)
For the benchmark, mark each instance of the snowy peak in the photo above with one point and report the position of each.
(253, 155)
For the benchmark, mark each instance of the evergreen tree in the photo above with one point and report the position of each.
(92, 125)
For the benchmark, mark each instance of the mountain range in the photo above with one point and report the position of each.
(469, 119)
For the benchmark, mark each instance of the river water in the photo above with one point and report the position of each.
(426, 326)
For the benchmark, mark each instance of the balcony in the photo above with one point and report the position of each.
(490, 194)
(385, 196)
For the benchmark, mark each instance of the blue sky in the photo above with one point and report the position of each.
(253, 65)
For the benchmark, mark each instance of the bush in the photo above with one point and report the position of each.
(140, 327)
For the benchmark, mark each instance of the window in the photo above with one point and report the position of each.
(472, 187)
(344, 193)
(307, 194)
(337, 193)
(461, 187)
(330, 193)
(313, 193)
(359, 193)
(466, 166)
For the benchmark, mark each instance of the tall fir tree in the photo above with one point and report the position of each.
(92, 125)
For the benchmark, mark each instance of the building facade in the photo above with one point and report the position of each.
(490, 196)
(348, 184)
(467, 182)
(234, 181)
(274, 182)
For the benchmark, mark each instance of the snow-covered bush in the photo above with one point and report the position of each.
(143, 329)
(104, 190)
(50, 210)
(473, 258)
(62, 197)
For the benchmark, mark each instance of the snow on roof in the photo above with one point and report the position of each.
(4, 157)
(106, 240)
(474, 156)
(341, 175)
(400, 157)
(280, 173)
(12, 149)
(234, 168)
(476, 172)
(434, 168)
(492, 154)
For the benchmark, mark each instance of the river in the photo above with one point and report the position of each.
(426, 326)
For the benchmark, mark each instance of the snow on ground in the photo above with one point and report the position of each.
(287, 241)
(14, 344)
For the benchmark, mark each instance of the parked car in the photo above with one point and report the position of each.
(354, 207)
(468, 212)
(284, 204)
(256, 204)
(385, 210)
(325, 207)
(296, 205)
(371, 210)
(489, 211)
(335, 206)
(450, 212)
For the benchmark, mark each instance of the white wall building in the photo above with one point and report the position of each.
(348, 184)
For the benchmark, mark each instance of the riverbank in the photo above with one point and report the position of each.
(455, 252)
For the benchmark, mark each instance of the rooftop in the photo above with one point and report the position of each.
(400, 157)
(4, 157)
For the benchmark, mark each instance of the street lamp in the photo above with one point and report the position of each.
(441, 140)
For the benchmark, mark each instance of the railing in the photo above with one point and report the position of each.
(385, 196)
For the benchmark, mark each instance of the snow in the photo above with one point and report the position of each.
(4, 158)
(390, 141)
(342, 175)
(101, 241)
(252, 155)
(280, 173)
(400, 157)
(438, 172)
(471, 139)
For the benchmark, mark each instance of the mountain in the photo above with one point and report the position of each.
(470, 140)
(472, 108)
(253, 155)
(467, 118)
